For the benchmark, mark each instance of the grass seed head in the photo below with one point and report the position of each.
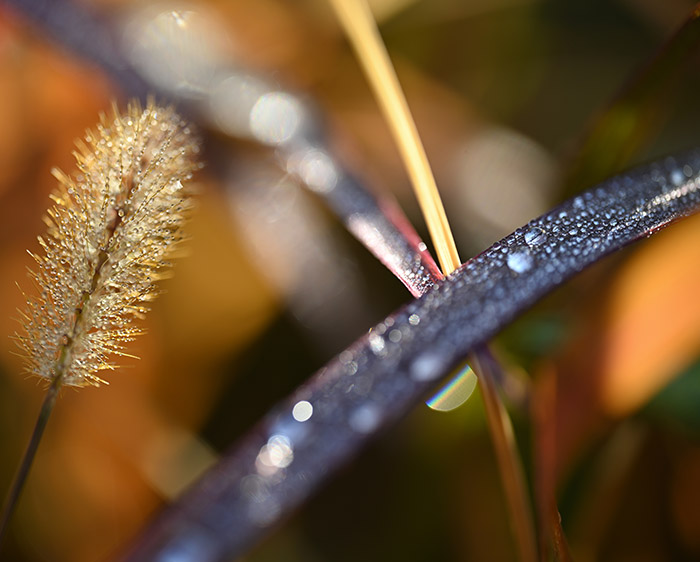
(112, 227)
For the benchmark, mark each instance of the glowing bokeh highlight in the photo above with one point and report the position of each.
(302, 411)
(455, 393)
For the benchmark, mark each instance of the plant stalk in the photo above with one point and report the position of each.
(29, 454)
(508, 459)
(359, 24)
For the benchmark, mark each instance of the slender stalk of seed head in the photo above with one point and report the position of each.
(27, 459)
(356, 18)
(111, 231)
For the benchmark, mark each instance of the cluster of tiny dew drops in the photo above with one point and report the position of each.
(112, 228)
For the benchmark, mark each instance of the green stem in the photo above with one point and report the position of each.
(30, 453)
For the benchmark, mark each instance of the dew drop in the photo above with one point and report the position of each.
(535, 236)
(376, 344)
(302, 411)
(427, 366)
(519, 261)
(276, 454)
(395, 336)
(677, 177)
(365, 419)
(414, 320)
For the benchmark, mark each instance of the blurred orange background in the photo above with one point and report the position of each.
(504, 93)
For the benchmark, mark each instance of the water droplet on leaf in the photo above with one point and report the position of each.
(535, 236)
(519, 261)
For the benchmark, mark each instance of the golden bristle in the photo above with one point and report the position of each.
(111, 230)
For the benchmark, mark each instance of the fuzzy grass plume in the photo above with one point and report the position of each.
(112, 227)
(111, 230)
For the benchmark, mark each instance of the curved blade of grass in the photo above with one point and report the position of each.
(377, 222)
(380, 377)
(635, 114)
(360, 27)
(614, 137)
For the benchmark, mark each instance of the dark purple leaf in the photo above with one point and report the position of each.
(382, 376)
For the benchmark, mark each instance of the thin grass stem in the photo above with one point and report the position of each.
(29, 454)
(509, 464)
(361, 29)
